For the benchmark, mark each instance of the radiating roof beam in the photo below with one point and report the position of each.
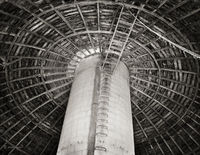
(8, 119)
(44, 93)
(40, 83)
(166, 132)
(155, 101)
(44, 148)
(163, 78)
(167, 69)
(173, 101)
(187, 15)
(27, 134)
(114, 18)
(26, 116)
(14, 146)
(143, 131)
(159, 145)
(66, 22)
(86, 27)
(169, 41)
(176, 6)
(13, 16)
(45, 22)
(163, 15)
(162, 94)
(36, 75)
(161, 4)
(191, 136)
(19, 58)
(98, 16)
(61, 16)
(99, 26)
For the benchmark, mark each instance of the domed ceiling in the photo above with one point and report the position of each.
(42, 42)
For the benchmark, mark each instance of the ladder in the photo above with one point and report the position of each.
(102, 128)
(118, 41)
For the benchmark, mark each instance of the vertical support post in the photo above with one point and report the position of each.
(98, 119)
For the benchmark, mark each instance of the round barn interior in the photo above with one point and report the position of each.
(43, 41)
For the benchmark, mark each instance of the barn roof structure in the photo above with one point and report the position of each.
(42, 42)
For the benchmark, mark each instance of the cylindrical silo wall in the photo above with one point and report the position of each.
(78, 127)
(98, 120)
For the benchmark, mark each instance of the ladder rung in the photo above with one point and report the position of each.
(125, 23)
(117, 43)
(113, 52)
(116, 49)
(123, 33)
(109, 62)
(100, 148)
